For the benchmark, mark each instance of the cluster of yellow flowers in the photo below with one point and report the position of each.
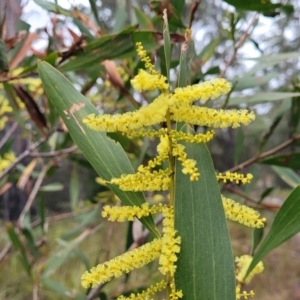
(6, 160)
(164, 248)
(4, 108)
(242, 214)
(243, 263)
(177, 106)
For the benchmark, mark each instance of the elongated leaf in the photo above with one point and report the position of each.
(295, 112)
(205, 268)
(262, 97)
(256, 5)
(52, 187)
(61, 290)
(285, 225)
(247, 82)
(52, 7)
(208, 51)
(291, 160)
(287, 175)
(3, 57)
(74, 189)
(106, 156)
(167, 45)
(111, 47)
(145, 23)
(18, 245)
(276, 58)
(94, 9)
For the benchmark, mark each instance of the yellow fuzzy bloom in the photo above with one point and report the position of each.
(190, 138)
(124, 213)
(170, 243)
(211, 89)
(235, 177)
(144, 181)
(152, 114)
(242, 214)
(144, 295)
(145, 58)
(4, 108)
(244, 294)
(6, 160)
(122, 264)
(174, 294)
(210, 117)
(243, 262)
(145, 81)
(188, 165)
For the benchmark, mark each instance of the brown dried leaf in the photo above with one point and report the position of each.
(87, 22)
(113, 73)
(37, 117)
(24, 178)
(31, 37)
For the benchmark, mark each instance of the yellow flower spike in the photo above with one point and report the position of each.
(210, 117)
(124, 213)
(152, 290)
(152, 114)
(145, 81)
(203, 91)
(243, 262)
(144, 181)
(196, 138)
(188, 165)
(145, 58)
(170, 243)
(124, 263)
(235, 177)
(242, 214)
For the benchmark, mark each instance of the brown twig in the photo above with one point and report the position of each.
(239, 44)
(34, 192)
(9, 132)
(247, 198)
(26, 153)
(264, 154)
(54, 153)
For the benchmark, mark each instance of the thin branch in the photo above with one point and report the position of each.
(5, 251)
(63, 216)
(9, 132)
(54, 153)
(26, 153)
(239, 44)
(34, 192)
(247, 198)
(264, 154)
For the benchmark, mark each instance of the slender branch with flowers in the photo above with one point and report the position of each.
(158, 175)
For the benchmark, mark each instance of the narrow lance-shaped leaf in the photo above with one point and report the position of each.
(285, 225)
(3, 57)
(205, 268)
(105, 155)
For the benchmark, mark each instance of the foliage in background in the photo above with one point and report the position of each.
(94, 47)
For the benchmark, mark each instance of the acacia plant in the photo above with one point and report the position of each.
(194, 238)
